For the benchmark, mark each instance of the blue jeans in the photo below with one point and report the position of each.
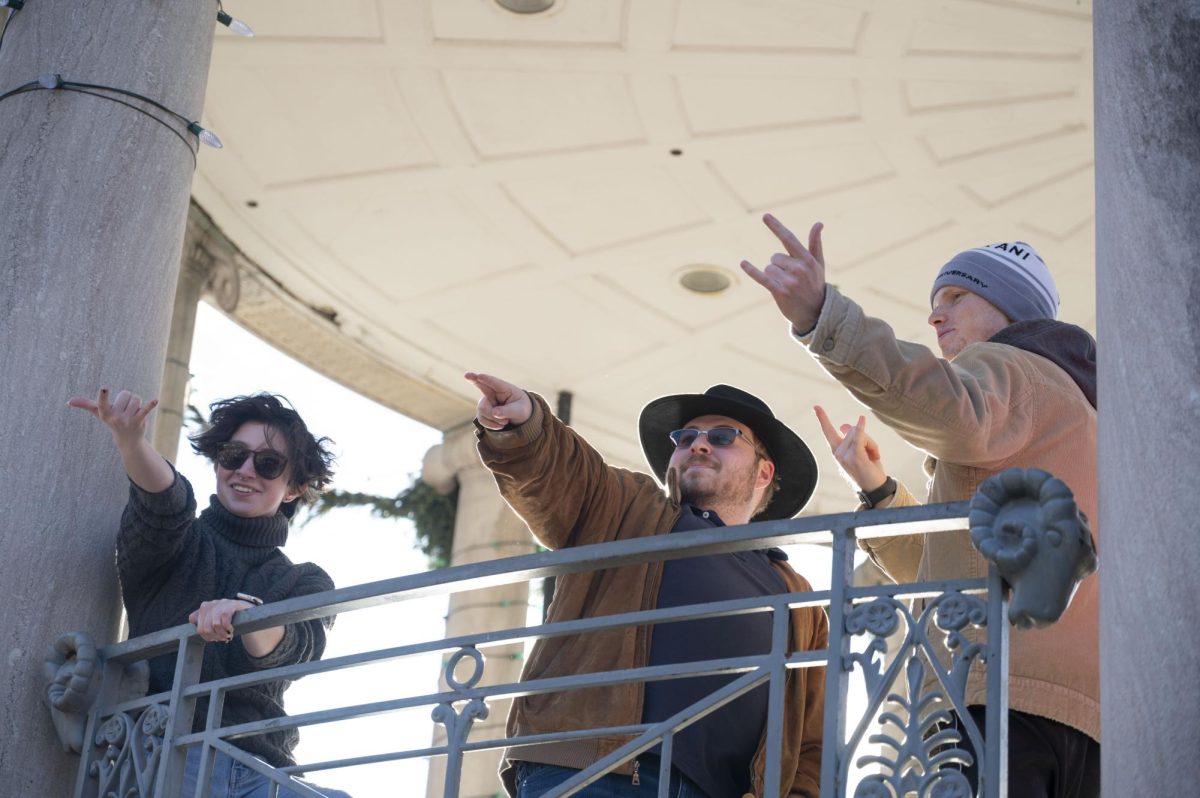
(535, 779)
(232, 779)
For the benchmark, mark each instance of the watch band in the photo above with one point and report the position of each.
(874, 497)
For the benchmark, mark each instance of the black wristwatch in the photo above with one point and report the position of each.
(873, 497)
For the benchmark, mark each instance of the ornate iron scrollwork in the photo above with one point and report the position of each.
(916, 742)
(132, 751)
(458, 723)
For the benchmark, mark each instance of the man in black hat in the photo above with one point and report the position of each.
(726, 460)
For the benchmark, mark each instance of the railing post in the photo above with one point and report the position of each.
(780, 624)
(836, 677)
(458, 724)
(993, 778)
(172, 762)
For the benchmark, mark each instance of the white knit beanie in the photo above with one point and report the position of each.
(1010, 275)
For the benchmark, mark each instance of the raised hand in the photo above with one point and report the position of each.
(501, 403)
(854, 450)
(796, 280)
(124, 416)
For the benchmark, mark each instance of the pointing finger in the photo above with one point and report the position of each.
(831, 434)
(785, 236)
(83, 403)
(756, 275)
(146, 409)
(102, 403)
(483, 383)
(814, 242)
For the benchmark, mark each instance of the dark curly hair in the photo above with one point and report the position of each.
(309, 459)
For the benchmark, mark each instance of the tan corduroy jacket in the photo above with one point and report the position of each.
(994, 407)
(568, 496)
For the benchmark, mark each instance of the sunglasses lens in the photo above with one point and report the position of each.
(231, 456)
(722, 436)
(268, 465)
(683, 438)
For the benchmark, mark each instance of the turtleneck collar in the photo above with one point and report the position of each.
(264, 533)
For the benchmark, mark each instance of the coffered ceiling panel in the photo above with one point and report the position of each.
(598, 210)
(723, 104)
(509, 112)
(763, 179)
(591, 22)
(268, 114)
(769, 24)
(443, 185)
(308, 20)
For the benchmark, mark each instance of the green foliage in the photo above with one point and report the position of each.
(431, 513)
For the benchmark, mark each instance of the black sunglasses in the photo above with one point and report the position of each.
(717, 436)
(268, 463)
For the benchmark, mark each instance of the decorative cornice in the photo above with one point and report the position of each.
(313, 335)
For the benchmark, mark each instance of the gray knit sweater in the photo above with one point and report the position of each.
(170, 561)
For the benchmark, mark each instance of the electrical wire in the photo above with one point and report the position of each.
(91, 90)
(142, 111)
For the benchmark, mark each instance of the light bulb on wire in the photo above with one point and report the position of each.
(206, 136)
(234, 25)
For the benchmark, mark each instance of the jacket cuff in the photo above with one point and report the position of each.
(172, 500)
(837, 328)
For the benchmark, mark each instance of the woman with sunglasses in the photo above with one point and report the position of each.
(177, 567)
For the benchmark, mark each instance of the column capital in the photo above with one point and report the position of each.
(211, 260)
(456, 456)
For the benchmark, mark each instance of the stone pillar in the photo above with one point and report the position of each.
(484, 529)
(93, 197)
(1147, 64)
(208, 270)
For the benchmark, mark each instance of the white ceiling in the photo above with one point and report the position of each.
(469, 188)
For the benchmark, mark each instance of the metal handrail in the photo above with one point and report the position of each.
(845, 603)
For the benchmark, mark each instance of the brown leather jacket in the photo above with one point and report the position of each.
(568, 496)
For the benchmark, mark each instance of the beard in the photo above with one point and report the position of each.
(715, 486)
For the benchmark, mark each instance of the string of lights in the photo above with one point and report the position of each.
(234, 25)
(55, 82)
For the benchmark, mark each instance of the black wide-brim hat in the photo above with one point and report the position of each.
(795, 468)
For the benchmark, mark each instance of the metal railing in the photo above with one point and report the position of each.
(138, 747)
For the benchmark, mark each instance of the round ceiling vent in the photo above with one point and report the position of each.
(526, 6)
(706, 280)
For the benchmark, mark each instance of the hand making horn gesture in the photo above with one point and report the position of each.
(124, 416)
(796, 280)
(502, 402)
(855, 451)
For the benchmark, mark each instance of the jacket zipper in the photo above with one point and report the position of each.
(636, 778)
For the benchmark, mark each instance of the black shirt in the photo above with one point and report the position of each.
(715, 751)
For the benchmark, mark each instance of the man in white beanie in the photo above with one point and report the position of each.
(1013, 388)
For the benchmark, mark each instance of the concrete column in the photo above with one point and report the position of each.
(484, 529)
(92, 209)
(208, 270)
(1148, 291)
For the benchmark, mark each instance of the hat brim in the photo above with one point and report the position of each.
(795, 466)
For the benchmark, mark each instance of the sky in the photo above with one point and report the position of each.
(379, 451)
